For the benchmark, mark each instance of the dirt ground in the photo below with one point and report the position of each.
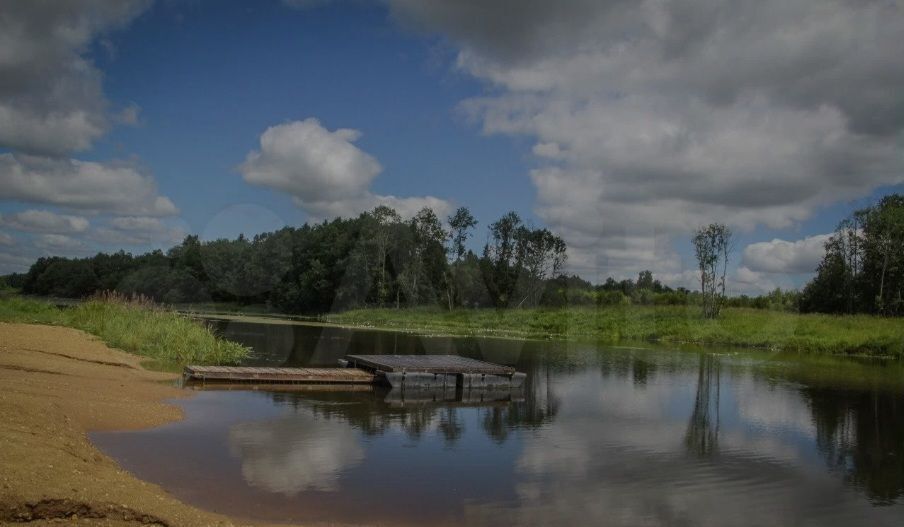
(55, 385)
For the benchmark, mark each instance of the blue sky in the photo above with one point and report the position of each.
(619, 128)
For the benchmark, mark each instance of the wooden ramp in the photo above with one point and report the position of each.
(279, 375)
(448, 364)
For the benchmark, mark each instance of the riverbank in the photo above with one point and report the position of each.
(58, 384)
(134, 326)
(773, 330)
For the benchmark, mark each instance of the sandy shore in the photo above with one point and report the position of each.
(55, 385)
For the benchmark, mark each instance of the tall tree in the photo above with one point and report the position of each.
(883, 258)
(461, 223)
(542, 256)
(713, 246)
(385, 218)
(501, 258)
(863, 268)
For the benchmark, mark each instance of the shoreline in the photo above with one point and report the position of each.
(59, 384)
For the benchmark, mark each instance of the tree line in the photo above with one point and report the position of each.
(863, 268)
(380, 260)
(375, 259)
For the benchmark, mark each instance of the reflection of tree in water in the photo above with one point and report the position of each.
(861, 435)
(540, 405)
(370, 413)
(641, 371)
(450, 425)
(702, 437)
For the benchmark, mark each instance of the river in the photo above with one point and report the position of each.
(599, 435)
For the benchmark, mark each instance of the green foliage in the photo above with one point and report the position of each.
(136, 326)
(380, 260)
(12, 282)
(518, 260)
(621, 322)
(863, 269)
(712, 247)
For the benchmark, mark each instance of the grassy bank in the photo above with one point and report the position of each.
(133, 326)
(860, 334)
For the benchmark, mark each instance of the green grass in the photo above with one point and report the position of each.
(774, 330)
(134, 326)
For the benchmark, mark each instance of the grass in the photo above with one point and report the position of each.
(774, 330)
(133, 325)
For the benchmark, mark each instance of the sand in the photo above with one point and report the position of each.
(56, 384)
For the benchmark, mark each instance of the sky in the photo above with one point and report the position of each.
(621, 125)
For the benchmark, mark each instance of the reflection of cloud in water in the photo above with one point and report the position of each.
(615, 461)
(773, 407)
(295, 453)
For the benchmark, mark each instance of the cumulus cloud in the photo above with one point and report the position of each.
(289, 455)
(137, 230)
(44, 221)
(651, 118)
(323, 171)
(13, 262)
(51, 98)
(100, 187)
(781, 256)
(60, 244)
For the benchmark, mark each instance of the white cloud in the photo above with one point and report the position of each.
(311, 163)
(51, 99)
(6, 239)
(86, 185)
(13, 262)
(781, 256)
(651, 118)
(137, 230)
(60, 244)
(288, 455)
(324, 172)
(749, 281)
(44, 221)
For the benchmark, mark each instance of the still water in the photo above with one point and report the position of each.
(598, 436)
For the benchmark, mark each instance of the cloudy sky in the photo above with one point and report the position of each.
(620, 124)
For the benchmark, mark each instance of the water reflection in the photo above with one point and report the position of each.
(294, 453)
(702, 437)
(861, 434)
(596, 435)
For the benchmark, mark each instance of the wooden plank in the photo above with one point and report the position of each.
(306, 375)
(428, 364)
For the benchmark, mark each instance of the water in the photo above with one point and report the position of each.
(600, 435)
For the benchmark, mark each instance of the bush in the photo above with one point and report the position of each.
(132, 324)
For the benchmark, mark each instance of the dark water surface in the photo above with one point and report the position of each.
(599, 436)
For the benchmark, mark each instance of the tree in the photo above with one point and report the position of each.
(460, 225)
(424, 266)
(541, 255)
(500, 263)
(713, 246)
(645, 280)
(883, 253)
(863, 268)
(381, 237)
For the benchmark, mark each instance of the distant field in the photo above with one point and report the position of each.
(774, 330)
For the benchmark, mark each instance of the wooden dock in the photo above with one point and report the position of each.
(445, 364)
(445, 372)
(279, 375)
(437, 371)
